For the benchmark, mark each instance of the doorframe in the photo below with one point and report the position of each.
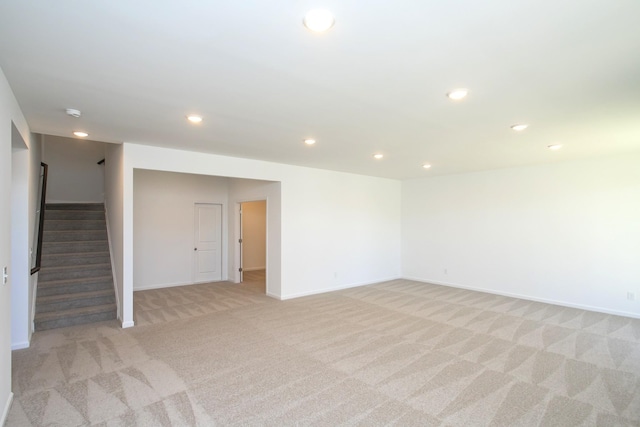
(223, 242)
(235, 275)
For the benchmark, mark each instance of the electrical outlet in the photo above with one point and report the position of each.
(445, 271)
(5, 275)
(631, 296)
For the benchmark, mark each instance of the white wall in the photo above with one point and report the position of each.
(337, 229)
(20, 259)
(114, 208)
(9, 113)
(567, 233)
(163, 221)
(25, 165)
(254, 235)
(74, 175)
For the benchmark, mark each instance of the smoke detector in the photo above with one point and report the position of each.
(73, 112)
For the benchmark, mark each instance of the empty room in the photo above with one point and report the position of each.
(320, 213)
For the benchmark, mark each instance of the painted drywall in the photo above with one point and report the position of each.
(19, 241)
(566, 233)
(243, 190)
(74, 175)
(341, 230)
(337, 229)
(9, 113)
(114, 195)
(254, 235)
(25, 183)
(163, 220)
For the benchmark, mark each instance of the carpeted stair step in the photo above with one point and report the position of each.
(75, 316)
(77, 258)
(61, 302)
(57, 287)
(68, 272)
(49, 248)
(74, 235)
(75, 207)
(73, 214)
(73, 224)
(75, 284)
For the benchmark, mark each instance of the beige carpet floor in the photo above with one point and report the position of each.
(396, 353)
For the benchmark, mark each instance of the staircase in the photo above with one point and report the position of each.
(75, 284)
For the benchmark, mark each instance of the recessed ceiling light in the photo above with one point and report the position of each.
(194, 119)
(554, 146)
(457, 94)
(378, 156)
(318, 20)
(81, 134)
(309, 141)
(426, 166)
(519, 127)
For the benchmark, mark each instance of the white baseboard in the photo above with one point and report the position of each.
(19, 346)
(529, 298)
(173, 285)
(165, 285)
(128, 324)
(336, 288)
(269, 294)
(253, 268)
(7, 406)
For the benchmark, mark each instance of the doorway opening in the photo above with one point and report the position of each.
(253, 244)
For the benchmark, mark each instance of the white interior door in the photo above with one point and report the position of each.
(208, 242)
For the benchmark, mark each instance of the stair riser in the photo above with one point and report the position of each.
(74, 247)
(73, 215)
(44, 290)
(75, 225)
(75, 303)
(73, 273)
(74, 236)
(76, 320)
(66, 260)
(74, 207)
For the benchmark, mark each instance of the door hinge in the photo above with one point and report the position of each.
(240, 269)
(239, 240)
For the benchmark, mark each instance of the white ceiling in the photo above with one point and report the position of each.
(375, 82)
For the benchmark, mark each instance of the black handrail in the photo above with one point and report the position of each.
(43, 198)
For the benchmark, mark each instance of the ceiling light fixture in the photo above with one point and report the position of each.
(194, 119)
(457, 94)
(554, 147)
(73, 112)
(426, 166)
(81, 134)
(309, 141)
(318, 20)
(378, 156)
(519, 127)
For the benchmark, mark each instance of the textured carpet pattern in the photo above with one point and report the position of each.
(396, 353)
